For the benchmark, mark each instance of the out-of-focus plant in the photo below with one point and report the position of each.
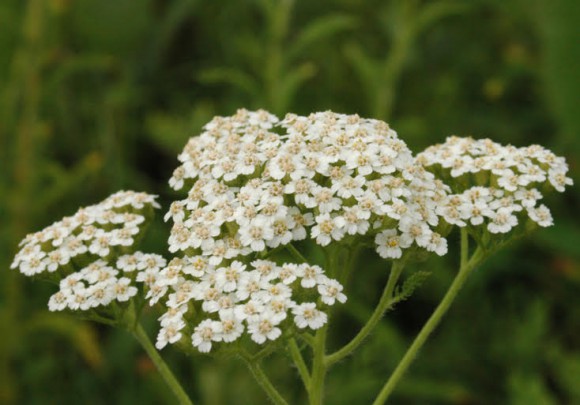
(123, 96)
(402, 22)
(273, 54)
(269, 236)
(33, 184)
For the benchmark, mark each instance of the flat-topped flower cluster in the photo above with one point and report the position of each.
(255, 298)
(256, 183)
(495, 184)
(97, 231)
(77, 250)
(101, 283)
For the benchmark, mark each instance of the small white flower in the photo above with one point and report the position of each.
(256, 233)
(170, 333)
(355, 221)
(541, 215)
(310, 274)
(389, 244)
(288, 273)
(437, 244)
(248, 285)
(502, 221)
(231, 326)
(102, 293)
(227, 278)
(55, 259)
(331, 291)
(324, 200)
(328, 228)
(528, 198)
(306, 315)
(205, 333)
(172, 315)
(101, 245)
(123, 290)
(417, 232)
(263, 327)
(128, 263)
(249, 309)
(58, 301)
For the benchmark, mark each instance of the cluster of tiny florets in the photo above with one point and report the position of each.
(94, 231)
(255, 183)
(101, 283)
(257, 299)
(496, 184)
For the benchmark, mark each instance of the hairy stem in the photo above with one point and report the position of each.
(264, 381)
(162, 367)
(295, 253)
(316, 389)
(299, 362)
(433, 321)
(383, 305)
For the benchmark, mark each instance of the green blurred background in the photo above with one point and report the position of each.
(100, 95)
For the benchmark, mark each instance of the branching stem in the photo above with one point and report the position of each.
(464, 271)
(162, 367)
(383, 305)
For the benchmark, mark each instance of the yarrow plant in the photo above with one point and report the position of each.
(274, 215)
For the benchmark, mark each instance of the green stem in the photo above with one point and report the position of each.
(432, 323)
(295, 253)
(316, 388)
(264, 381)
(383, 305)
(353, 255)
(308, 338)
(162, 367)
(299, 362)
(392, 66)
(464, 247)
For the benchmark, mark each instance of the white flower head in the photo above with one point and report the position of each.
(207, 332)
(307, 315)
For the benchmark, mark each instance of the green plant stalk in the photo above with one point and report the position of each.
(319, 369)
(383, 305)
(279, 19)
(316, 388)
(299, 362)
(295, 253)
(264, 381)
(162, 367)
(391, 68)
(465, 269)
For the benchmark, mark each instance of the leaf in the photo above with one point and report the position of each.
(434, 12)
(528, 388)
(410, 285)
(63, 180)
(292, 82)
(565, 367)
(82, 335)
(365, 67)
(178, 12)
(232, 76)
(319, 29)
(171, 132)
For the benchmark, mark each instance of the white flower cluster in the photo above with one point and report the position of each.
(496, 184)
(254, 298)
(257, 183)
(93, 232)
(99, 284)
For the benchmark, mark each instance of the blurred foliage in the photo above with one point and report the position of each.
(101, 95)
